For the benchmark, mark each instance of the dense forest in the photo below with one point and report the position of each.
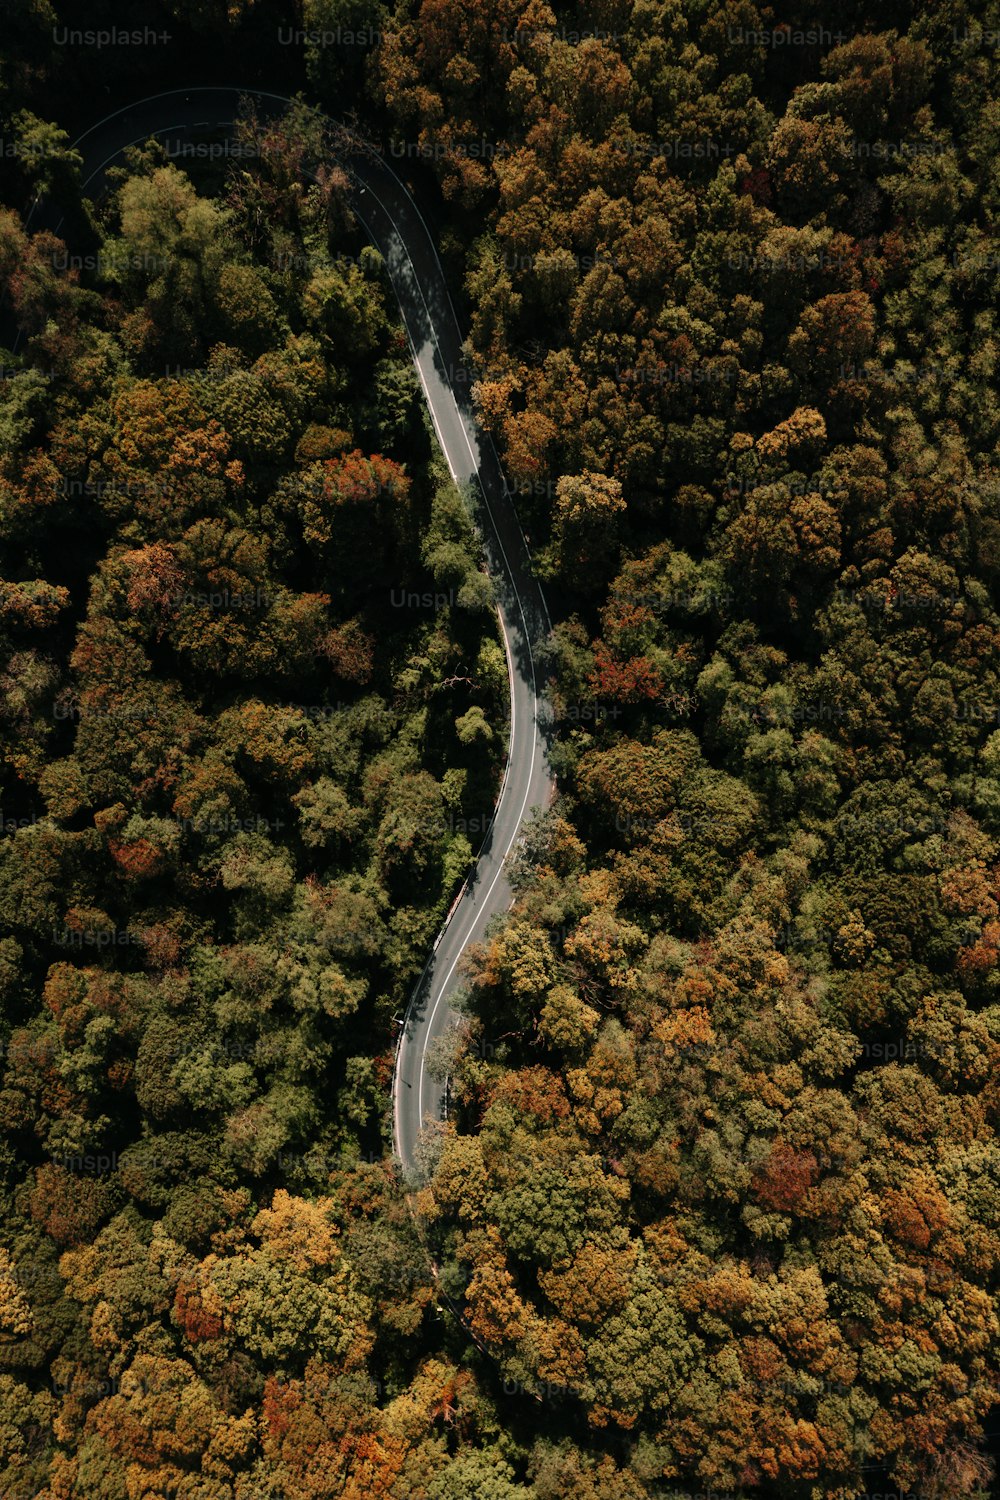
(717, 1210)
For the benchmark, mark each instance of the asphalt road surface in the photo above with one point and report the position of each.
(392, 220)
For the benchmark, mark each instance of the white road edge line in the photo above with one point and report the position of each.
(510, 662)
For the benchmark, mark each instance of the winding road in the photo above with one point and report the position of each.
(385, 208)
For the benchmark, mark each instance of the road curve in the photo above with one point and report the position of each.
(396, 227)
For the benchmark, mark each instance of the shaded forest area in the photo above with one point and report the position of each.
(720, 1204)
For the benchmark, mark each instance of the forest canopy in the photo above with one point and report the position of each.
(716, 1210)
